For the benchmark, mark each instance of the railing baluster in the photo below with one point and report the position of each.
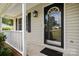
(14, 38)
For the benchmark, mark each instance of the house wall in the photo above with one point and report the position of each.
(35, 39)
(71, 29)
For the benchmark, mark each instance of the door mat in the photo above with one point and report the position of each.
(51, 52)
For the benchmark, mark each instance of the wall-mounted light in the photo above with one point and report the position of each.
(35, 13)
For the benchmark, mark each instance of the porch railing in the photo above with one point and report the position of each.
(14, 38)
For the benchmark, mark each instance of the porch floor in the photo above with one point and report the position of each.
(34, 50)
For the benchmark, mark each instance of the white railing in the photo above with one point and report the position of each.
(14, 38)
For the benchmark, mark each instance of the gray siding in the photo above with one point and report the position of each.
(71, 29)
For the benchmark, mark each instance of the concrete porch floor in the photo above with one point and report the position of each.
(34, 50)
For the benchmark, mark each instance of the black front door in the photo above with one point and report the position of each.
(54, 20)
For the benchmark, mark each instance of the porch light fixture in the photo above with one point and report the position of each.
(35, 13)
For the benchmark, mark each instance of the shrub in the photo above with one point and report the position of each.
(6, 28)
(2, 39)
(4, 51)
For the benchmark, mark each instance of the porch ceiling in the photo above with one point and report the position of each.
(10, 9)
(30, 5)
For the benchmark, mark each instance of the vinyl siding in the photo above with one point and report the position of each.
(36, 37)
(71, 29)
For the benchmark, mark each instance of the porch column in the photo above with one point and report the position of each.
(24, 29)
(0, 24)
(14, 24)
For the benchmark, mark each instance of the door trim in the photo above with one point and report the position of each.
(62, 24)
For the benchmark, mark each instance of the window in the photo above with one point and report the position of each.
(19, 24)
(16, 24)
(28, 22)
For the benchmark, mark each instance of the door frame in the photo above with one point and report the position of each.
(62, 23)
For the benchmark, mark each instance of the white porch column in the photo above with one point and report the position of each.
(0, 24)
(14, 24)
(24, 29)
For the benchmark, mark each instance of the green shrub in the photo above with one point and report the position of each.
(2, 37)
(4, 51)
(6, 28)
(7, 21)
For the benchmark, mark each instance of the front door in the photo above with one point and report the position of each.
(54, 20)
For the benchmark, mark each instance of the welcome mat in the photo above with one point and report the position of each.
(51, 52)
